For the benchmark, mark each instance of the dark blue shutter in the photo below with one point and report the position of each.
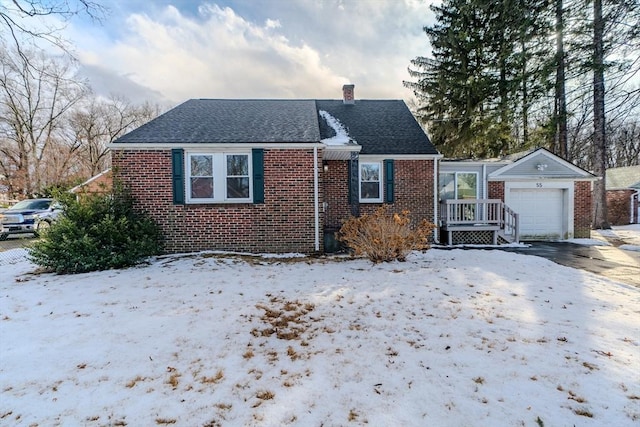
(257, 156)
(388, 181)
(177, 170)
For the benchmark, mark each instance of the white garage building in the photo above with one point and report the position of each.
(551, 197)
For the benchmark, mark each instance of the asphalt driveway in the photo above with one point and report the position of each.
(609, 261)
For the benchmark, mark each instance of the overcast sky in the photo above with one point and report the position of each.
(170, 51)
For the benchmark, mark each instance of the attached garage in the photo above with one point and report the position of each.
(541, 211)
(551, 196)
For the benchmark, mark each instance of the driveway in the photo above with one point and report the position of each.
(609, 261)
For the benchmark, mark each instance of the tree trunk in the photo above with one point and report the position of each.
(599, 145)
(560, 110)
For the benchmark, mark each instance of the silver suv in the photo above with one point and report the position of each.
(29, 216)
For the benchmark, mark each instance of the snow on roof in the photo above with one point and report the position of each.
(342, 136)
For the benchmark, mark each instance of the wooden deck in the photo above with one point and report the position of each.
(471, 219)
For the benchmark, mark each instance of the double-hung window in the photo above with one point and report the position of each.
(218, 177)
(370, 182)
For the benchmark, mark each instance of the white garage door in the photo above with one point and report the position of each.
(541, 212)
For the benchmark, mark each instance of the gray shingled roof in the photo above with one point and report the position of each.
(231, 120)
(623, 177)
(379, 126)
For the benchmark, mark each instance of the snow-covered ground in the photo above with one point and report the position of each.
(628, 234)
(448, 338)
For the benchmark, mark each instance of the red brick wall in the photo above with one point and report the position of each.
(335, 182)
(619, 206)
(495, 190)
(284, 223)
(582, 209)
(413, 183)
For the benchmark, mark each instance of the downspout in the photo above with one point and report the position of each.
(485, 184)
(435, 200)
(316, 210)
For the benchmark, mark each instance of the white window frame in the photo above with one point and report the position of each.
(455, 183)
(220, 176)
(380, 182)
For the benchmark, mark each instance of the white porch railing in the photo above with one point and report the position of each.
(479, 214)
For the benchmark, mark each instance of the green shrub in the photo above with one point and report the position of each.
(98, 232)
(383, 236)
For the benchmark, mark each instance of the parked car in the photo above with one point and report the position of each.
(29, 216)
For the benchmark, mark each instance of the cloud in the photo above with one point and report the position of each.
(308, 49)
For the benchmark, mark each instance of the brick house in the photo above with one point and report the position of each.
(623, 191)
(275, 175)
(282, 175)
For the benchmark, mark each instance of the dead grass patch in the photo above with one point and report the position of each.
(265, 395)
(174, 378)
(583, 412)
(219, 376)
(573, 396)
(284, 319)
(133, 382)
(165, 421)
(478, 380)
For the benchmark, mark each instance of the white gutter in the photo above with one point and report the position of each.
(316, 210)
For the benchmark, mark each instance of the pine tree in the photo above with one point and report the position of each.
(487, 65)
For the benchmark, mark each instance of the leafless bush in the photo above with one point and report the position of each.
(384, 236)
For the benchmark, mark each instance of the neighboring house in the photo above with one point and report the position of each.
(531, 196)
(623, 190)
(275, 175)
(98, 184)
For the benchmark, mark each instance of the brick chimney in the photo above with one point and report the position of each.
(347, 94)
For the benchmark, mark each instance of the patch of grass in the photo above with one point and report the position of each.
(589, 366)
(134, 381)
(539, 422)
(353, 415)
(265, 395)
(478, 380)
(174, 378)
(166, 421)
(291, 352)
(248, 354)
(583, 412)
(214, 379)
(573, 396)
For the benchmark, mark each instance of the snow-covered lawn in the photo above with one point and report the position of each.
(448, 338)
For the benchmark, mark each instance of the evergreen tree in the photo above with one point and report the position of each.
(487, 65)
